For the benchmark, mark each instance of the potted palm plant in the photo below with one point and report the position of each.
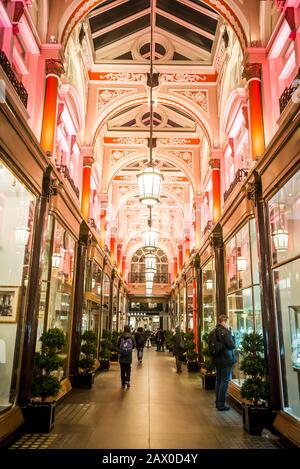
(256, 411)
(191, 355)
(208, 370)
(105, 350)
(39, 414)
(87, 361)
(114, 346)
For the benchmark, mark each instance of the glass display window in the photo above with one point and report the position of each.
(190, 304)
(208, 296)
(284, 217)
(17, 210)
(284, 212)
(115, 306)
(182, 316)
(105, 301)
(243, 290)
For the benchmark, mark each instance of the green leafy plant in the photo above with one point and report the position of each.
(207, 363)
(190, 346)
(114, 341)
(47, 363)
(88, 352)
(253, 364)
(105, 345)
(169, 340)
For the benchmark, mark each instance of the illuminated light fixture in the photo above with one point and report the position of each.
(148, 291)
(149, 276)
(281, 235)
(209, 284)
(150, 261)
(149, 285)
(242, 263)
(281, 240)
(93, 283)
(150, 236)
(56, 258)
(99, 289)
(150, 179)
(22, 235)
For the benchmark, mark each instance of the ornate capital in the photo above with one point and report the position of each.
(252, 71)
(54, 67)
(215, 163)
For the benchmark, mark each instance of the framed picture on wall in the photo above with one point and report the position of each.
(9, 299)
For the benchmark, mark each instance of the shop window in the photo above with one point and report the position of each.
(208, 296)
(16, 238)
(286, 275)
(243, 291)
(92, 298)
(106, 302)
(190, 305)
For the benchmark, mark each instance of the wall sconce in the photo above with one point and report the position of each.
(22, 235)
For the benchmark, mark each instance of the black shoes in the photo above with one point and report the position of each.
(224, 407)
(128, 384)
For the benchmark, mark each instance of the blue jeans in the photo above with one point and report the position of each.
(223, 376)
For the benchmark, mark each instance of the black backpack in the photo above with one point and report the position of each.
(214, 344)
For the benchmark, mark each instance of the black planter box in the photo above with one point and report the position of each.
(104, 365)
(208, 382)
(192, 365)
(84, 381)
(257, 418)
(114, 357)
(39, 418)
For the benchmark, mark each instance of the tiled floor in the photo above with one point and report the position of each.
(161, 410)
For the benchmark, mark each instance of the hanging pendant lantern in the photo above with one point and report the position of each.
(150, 261)
(150, 238)
(242, 263)
(149, 285)
(281, 240)
(149, 276)
(150, 181)
(22, 235)
(56, 258)
(148, 291)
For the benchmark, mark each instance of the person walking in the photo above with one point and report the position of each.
(126, 344)
(178, 349)
(224, 361)
(140, 343)
(147, 338)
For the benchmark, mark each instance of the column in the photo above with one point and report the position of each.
(252, 73)
(103, 222)
(123, 267)
(180, 257)
(119, 256)
(54, 69)
(112, 247)
(186, 248)
(216, 189)
(175, 267)
(87, 154)
(218, 246)
(254, 191)
(197, 221)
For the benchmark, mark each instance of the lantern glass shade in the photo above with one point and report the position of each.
(149, 182)
(242, 263)
(22, 235)
(93, 283)
(148, 291)
(149, 284)
(281, 240)
(150, 238)
(150, 261)
(149, 276)
(56, 258)
(209, 284)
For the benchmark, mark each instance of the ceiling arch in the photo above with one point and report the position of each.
(178, 102)
(161, 156)
(230, 10)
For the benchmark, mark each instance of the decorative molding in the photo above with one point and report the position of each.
(185, 155)
(125, 140)
(54, 67)
(117, 76)
(178, 141)
(252, 71)
(107, 94)
(196, 95)
(215, 163)
(188, 77)
(118, 154)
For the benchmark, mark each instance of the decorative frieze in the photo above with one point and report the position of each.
(188, 77)
(107, 94)
(118, 76)
(178, 141)
(198, 96)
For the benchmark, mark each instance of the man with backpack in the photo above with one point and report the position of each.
(126, 344)
(221, 347)
(140, 343)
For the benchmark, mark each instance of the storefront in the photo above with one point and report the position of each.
(17, 217)
(208, 296)
(242, 288)
(91, 316)
(284, 218)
